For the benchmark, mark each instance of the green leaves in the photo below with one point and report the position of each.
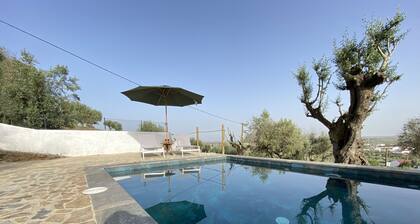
(281, 139)
(318, 148)
(359, 60)
(150, 126)
(113, 125)
(61, 84)
(35, 98)
(303, 78)
(385, 36)
(27, 58)
(410, 136)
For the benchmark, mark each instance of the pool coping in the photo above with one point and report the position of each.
(116, 206)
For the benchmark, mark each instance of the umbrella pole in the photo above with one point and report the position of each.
(166, 121)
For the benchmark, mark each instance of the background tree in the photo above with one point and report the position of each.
(410, 136)
(83, 116)
(35, 98)
(238, 145)
(275, 139)
(318, 148)
(203, 146)
(361, 68)
(113, 125)
(150, 126)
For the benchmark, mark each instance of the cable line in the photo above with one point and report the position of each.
(102, 67)
(216, 116)
(68, 52)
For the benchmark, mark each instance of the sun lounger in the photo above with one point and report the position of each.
(183, 144)
(151, 143)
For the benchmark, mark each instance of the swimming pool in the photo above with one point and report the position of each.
(230, 192)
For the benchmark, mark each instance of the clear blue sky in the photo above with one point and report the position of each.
(239, 54)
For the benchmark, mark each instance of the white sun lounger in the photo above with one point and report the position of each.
(183, 144)
(190, 170)
(149, 175)
(151, 143)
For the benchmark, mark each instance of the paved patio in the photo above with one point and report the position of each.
(50, 191)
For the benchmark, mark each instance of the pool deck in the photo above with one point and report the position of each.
(50, 191)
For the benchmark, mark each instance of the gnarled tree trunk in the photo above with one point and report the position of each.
(347, 146)
(346, 133)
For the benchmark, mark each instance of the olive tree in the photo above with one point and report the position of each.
(36, 98)
(150, 126)
(318, 147)
(364, 70)
(113, 125)
(410, 136)
(275, 139)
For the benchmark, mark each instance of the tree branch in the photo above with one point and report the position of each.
(380, 96)
(317, 114)
(339, 105)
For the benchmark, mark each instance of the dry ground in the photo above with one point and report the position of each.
(7, 156)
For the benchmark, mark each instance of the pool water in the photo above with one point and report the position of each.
(226, 192)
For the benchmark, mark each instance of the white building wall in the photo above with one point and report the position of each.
(69, 142)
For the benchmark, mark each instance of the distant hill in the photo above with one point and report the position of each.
(374, 140)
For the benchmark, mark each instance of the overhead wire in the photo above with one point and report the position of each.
(103, 68)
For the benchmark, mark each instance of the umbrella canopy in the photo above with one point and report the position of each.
(164, 96)
(177, 212)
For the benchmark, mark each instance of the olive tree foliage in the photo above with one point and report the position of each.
(113, 125)
(275, 139)
(318, 148)
(36, 98)
(410, 136)
(150, 126)
(363, 68)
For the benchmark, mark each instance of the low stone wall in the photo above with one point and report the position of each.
(69, 142)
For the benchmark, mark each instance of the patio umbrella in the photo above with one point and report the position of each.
(177, 212)
(163, 96)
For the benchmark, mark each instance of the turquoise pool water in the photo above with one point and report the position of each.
(226, 192)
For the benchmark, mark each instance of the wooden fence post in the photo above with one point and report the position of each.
(197, 137)
(223, 139)
(242, 132)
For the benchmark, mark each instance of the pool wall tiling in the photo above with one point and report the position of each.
(116, 205)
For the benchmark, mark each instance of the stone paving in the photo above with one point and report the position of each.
(50, 191)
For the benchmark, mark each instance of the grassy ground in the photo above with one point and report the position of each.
(7, 156)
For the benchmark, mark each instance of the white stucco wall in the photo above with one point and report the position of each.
(69, 142)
